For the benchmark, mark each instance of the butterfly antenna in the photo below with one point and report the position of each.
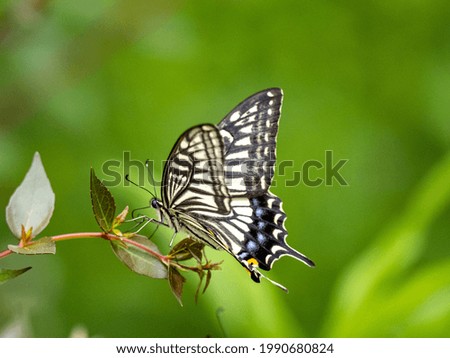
(150, 173)
(127, 178)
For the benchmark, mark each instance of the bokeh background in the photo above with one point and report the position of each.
(83, 81)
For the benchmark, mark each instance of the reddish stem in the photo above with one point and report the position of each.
(102, 235)
(79, 235)
(143, 247)
(5, 253)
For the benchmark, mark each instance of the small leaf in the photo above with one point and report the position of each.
(103, 203)
(32, 203)
(6, 274)
(138, 260)
(176, 282)
(119, 219)
(208, 280)
(44, 245)
(187, 249)
(201, 274)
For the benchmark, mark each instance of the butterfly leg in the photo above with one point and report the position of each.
(145, 220)
(173, 238)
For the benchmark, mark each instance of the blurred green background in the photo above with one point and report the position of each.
(83, 81)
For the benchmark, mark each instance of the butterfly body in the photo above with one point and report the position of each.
(216, 184)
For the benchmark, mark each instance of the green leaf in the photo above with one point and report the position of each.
(103, 203)
(368, 285)
(6, 274)
(44, 245)
(176, 283)
(201, 275)
(187, 249)
(418, 304)
(32, 204)
(139, 260)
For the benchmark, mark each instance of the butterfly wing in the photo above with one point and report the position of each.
(249, 133)
(254, 231)
(193, 177)
(216, 184)
(193, 186)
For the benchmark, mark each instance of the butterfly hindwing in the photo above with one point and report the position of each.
(254, 232)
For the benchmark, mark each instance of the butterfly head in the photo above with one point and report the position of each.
(164, 214)
(155, 204)
(158, 206)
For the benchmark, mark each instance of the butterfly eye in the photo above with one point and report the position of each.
(154, 203)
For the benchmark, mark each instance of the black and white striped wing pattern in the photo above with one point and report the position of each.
(193, 177)
(250, 133)
(255, 230)
(216, 185)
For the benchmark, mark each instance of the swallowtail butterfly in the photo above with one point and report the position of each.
(216, 183)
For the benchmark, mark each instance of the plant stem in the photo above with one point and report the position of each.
(5, 253)
(110, 237)
(101, 235)
(80, 235)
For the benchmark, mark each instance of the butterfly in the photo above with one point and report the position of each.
(216, 182)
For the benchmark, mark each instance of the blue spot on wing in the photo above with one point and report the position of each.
(252, 246)
(259, 212)
(261, 238)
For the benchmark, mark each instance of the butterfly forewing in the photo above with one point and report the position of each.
(250, 132)
(193, 178)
